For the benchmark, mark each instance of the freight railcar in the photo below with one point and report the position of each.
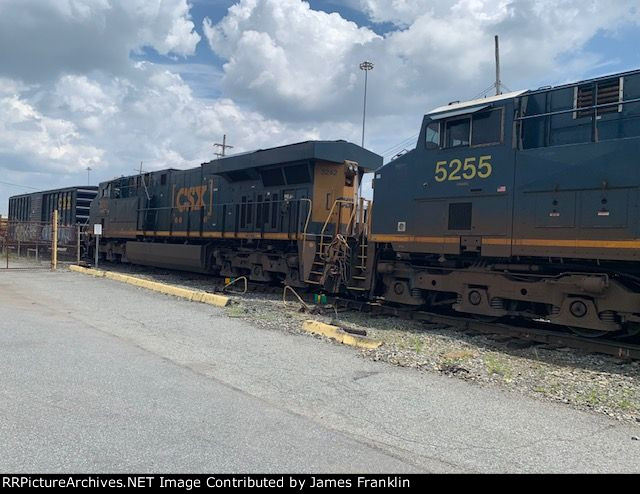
(290, 214)
(72, 203)
(524, 204)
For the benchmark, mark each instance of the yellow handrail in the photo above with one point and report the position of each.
(306, 225)
(331, 212)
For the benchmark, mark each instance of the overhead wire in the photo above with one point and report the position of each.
(18, 185)
(393, 150)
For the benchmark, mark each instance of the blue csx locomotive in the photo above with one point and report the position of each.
(523, 204)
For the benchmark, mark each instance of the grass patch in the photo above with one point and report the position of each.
(236, 311)
(497, 367)
(594, 397)
(626, 402)
(458, 357)
(626, 405)
(401, 343)
(416, 344)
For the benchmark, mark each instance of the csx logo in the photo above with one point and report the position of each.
(190, 198)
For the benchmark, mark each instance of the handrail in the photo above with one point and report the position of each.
(349, 202)
(234, 281)
(292, 290)
(306, 224)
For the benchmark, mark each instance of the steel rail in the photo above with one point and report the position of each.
(614, 348)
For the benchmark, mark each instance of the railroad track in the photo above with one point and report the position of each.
(528, 332)
(620, 349)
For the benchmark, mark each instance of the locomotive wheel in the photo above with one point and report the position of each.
(632, 329)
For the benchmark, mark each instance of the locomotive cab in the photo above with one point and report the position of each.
(456, 183)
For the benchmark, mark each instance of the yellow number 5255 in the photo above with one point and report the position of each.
(469, 169)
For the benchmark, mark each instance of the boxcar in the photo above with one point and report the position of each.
(73, 205)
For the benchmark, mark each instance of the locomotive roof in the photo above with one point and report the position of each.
(464, 107)
(586, 81)
(476, 105)
(332, 151)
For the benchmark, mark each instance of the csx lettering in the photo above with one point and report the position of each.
(468, 169)
(190, 198)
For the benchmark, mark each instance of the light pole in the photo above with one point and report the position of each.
(366, 66)
(89, 175)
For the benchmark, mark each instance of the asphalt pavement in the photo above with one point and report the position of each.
(98, 376)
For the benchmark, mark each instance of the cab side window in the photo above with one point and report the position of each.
(480, 129)
(458, 132)
(433, 135)
(487, 128)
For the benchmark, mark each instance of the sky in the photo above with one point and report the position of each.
(111, 84)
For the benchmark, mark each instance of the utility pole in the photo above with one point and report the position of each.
(498, 81)
(224, 146)
(54, 241)
(366, 67)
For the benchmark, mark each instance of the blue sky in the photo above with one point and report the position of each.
(112, 84)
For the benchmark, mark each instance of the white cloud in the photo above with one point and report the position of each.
(43, 39)
(283, 54)
(113, 124)
(35, 140)
(286, 58)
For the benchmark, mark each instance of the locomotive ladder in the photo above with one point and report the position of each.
(318, 271)
(356, 228)
(316, 274)
(360, 275)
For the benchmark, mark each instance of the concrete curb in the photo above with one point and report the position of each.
(335, 333)
(191, 295)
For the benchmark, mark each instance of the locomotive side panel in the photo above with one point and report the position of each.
(577, 174)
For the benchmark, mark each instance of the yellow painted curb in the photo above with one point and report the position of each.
(91, 272)
(191, 295)
(335, 333)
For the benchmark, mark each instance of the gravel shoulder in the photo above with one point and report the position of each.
(595, 383)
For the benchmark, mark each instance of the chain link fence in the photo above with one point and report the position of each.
(30, 244)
